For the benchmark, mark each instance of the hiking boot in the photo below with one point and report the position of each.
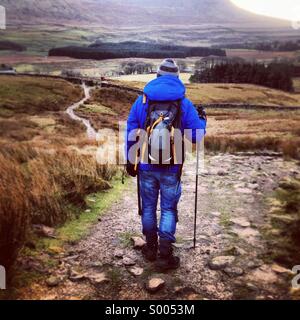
(150, 253)
(164, 264)
(167, 261)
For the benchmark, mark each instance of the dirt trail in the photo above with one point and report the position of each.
(91, 132)
(232, 216)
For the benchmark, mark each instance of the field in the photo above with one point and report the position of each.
(145, 78)
(38, 40)
(241, 130)
(49, 175)
(252, 55)
(44, 179)
(297, 85)
(228, 130)
(228, 93)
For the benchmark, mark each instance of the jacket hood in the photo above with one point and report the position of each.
(165, 88)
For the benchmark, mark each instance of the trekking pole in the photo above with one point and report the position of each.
(196, 195)
(139, 193)
(123, 174)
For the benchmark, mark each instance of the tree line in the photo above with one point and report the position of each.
(265, 46)
(11, 46)
(136, 67)
(130, 49)
(274, 75)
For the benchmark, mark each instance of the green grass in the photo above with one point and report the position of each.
(96, 108)
(75, 230)
(72, 231)
(115, 276)
(284, 249)
(125, 238)
(225, 219)
(38, 41)
(30, 95)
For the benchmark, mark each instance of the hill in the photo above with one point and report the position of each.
(129, 13)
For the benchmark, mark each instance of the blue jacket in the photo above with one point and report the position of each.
(164, 88)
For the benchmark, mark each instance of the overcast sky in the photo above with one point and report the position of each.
(285, 9)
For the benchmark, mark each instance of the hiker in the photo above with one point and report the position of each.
(163, 102)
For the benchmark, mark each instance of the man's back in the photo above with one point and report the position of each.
(156, 180)
(164, 88)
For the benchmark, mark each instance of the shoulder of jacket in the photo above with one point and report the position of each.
(139, 101)
(186, 103)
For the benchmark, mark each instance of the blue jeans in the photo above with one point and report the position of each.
(168, 184)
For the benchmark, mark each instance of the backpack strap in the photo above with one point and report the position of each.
(144, 99)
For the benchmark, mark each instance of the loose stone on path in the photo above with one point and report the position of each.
(53, 281)
(99, 278)
(246, 233)
(220, 263)
(138, 243)
(234, 271)
(155, 284)
(128, 262)
(242, 222)
(136, 271)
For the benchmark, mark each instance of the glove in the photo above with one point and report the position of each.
(131, 170)
(201, 112)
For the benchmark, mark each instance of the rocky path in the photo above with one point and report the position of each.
(228, 263)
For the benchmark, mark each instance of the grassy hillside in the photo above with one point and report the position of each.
(230, 93)
(129, 13)
(297, 85)
(31, 95)
(33, 108)
(228, 130)
(44, 177)
(107, 107)
(40, 39)
(242, 130)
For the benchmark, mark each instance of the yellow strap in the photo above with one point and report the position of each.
(136, 156)
(173, 144)
(144, 99)
(144, 146)
(160, 119)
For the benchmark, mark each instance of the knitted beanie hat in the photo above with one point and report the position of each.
(168, 67)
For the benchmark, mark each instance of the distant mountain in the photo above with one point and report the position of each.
(127, 13)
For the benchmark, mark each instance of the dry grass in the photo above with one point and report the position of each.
(40, 186)
(14, 208)
(241, 130)
(232, 93)
(240, 93)
(285, 220)
(145, 78)
(31, 95)
(228, 130)
(44, 175)
(259, 55)
(297, 85)
(110, 106)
